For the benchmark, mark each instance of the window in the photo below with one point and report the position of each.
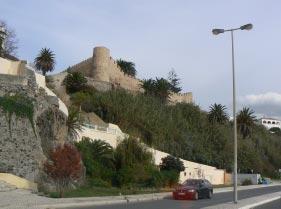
(273, 122)
(264, 121)
(269, 122)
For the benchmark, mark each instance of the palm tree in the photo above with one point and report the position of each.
(45, 61)
(148, 85)
(162, 89)
(102, 151)
(99, 150)
(217, 114)
(74, 81)
(127, 67)
(74, 123)
(245, 121)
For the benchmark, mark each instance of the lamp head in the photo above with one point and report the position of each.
(246, 27)
(217, 31)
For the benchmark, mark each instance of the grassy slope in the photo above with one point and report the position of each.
(184, 131)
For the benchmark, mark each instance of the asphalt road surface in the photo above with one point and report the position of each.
(272, 205)
(190, 204)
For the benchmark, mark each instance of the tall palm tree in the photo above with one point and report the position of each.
(45, 61)
(245, 121)
(217, 114)
(74, 123)
(127, 67)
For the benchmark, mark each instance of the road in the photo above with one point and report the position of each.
(186, 204)
(272, 205)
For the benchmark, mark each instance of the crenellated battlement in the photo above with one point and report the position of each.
(181, 98)
(83, 66)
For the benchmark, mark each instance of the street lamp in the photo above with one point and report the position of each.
(217, 32)
(3, 35)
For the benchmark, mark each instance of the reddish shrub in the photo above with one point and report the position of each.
(64, 166)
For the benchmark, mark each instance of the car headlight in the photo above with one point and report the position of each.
(191, 190)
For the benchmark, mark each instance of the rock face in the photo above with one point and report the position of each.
(23, 146)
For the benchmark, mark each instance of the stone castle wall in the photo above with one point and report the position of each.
(102, 68)
(181, 98)
(84, 67)
(104, 73)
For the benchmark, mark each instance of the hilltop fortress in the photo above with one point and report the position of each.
(104, 74)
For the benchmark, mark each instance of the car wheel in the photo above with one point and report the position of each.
(196, 196)
(210, 195)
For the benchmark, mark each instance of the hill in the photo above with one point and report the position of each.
(184, 131)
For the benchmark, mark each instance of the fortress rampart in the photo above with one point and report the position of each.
(103, 72)
(181, 98)
(102, 68)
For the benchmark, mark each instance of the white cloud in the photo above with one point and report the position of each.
(266, 98)
(267, 104)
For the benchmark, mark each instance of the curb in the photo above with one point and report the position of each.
(103, 202)
(67, 205)
(252, 206)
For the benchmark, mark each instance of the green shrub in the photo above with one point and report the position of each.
(125, 177)
(170, 178)
(171, 163)
(97, 157)
(97, 182)
(155, 179)
(246, 182)
(74, 81)
(20, 105)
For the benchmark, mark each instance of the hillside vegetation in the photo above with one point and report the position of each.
(184, 131)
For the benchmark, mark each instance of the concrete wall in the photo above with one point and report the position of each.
(19, 183)
(193, 170)
(10, 67)
(113, 135)
(110, 134)
(253, 177)
(242, 177)
(227, 178)
(40, 80)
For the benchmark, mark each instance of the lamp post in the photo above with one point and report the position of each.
(3, 35)
(217, 32)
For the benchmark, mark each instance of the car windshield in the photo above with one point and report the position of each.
(191, 182)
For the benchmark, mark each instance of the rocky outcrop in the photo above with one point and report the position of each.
(24, 145)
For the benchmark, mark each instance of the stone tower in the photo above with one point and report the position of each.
(101, 57)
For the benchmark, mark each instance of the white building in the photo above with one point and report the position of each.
(270, 123)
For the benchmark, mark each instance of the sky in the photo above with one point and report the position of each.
(161, 35)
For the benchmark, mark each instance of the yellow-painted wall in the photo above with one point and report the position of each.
(18, 182)
(11, 67)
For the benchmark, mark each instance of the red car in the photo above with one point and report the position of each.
(194, 189)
